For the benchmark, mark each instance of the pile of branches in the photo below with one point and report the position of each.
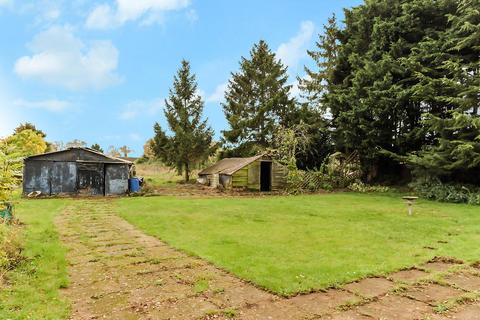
(338, 171)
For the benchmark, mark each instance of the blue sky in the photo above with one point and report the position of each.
(99, 71)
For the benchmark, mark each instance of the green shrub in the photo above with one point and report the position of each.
(434, 189)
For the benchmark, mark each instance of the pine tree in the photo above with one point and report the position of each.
(385, 79)
(454, 156)
(192, 139)
(316, 82)
(96, 147)
(257, 101)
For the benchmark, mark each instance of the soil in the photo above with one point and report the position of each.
(118, 272)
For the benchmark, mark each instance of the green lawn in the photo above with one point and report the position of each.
(299, 243)
(33, 292)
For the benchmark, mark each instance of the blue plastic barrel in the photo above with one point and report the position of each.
(134, 184)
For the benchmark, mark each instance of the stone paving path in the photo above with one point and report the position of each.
(117, 272)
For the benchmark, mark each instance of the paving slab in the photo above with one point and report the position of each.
(346, 315)
(324, 302)
(465, 281)
(408, 276)
(394, 307)
(370, 287)
(438, 266)
(433, 293)
(469, 312)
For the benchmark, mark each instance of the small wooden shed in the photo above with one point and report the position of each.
(260, 173)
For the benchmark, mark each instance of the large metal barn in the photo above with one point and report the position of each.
(76, 171)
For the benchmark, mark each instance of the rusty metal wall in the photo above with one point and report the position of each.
(36, 177)
(63, 177)
(116, 179)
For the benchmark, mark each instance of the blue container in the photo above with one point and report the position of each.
(134, 184)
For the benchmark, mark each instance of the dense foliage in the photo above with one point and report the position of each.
(400, 81)
(192, 139)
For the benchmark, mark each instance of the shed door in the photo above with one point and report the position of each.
(265, 176)
(90, 178)
(116, 179)
(63, 177)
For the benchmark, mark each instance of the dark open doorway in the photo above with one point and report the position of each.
(265, 176)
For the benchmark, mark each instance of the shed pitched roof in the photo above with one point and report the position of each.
(229, 166)
(97, 156)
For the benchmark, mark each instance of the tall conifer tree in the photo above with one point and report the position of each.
(316, 82)
(192, 137)
(257, 101)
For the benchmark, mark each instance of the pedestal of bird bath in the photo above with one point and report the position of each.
(410, 201)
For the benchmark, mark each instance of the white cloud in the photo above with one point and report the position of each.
(53, 105)
(59, 58)
(219, 93)
(137, 108)
(5, 3)
(291, 52)
(105, 16)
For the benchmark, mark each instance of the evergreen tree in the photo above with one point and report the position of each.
(257, 101)
(313, 87)
(316, 82)
(376, 94)
(96, 147)
(192, 137)
(455, 154)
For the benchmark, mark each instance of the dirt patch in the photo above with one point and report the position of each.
(117, 272)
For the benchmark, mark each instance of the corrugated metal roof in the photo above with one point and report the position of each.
(109, 158)
(229, 166)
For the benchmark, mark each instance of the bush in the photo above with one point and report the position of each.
(359, 186)
(10, 248)
(434, 189)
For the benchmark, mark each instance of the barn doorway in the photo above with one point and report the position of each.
(265, 176)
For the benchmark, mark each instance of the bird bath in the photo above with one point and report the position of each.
(410, 201)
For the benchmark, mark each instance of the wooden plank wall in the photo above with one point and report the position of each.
(240, 178)
(254, 175)
(279, 176)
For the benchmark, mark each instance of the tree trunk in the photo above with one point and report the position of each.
(187, 172)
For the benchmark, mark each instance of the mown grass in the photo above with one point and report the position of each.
(32, 291)
(300, 243)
